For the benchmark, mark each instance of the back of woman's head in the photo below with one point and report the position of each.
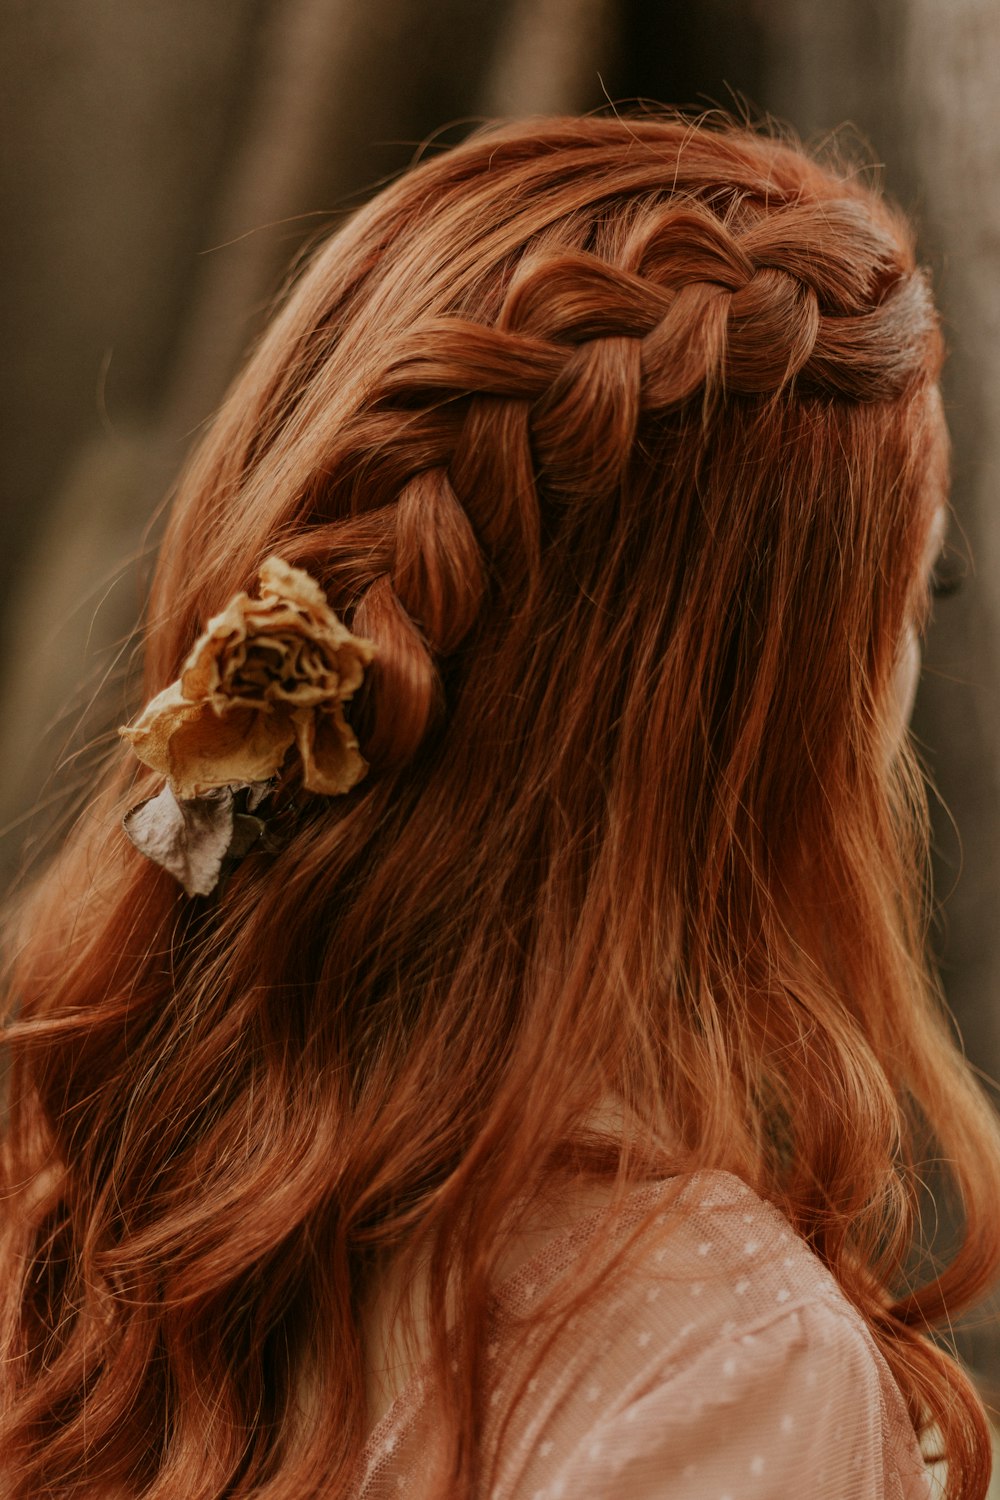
(620, 439)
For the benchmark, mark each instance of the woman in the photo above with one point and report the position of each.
(507, 1064)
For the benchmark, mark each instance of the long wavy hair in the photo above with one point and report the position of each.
(620, 438)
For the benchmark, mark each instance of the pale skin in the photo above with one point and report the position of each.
(908, 662)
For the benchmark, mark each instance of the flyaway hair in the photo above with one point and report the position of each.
(618, 439)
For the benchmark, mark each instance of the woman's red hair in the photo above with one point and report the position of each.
(620, 437)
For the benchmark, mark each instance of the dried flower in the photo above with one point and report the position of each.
(267, 673)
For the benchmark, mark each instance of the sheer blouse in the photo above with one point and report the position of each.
(726, 1365)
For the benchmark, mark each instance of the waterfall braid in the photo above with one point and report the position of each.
(620, 439)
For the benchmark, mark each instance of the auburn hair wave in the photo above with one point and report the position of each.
(620, 438)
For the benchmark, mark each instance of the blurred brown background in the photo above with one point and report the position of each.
(163, 164)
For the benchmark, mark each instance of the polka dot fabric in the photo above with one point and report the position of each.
(726, 1365)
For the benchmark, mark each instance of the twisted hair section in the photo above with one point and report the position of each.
(620, 438)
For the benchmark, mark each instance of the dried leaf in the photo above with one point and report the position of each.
(194, 839)
(248, 832)
(189, 839)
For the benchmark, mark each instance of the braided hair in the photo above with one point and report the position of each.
(621, 439)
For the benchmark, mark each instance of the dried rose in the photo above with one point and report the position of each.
(267, 673)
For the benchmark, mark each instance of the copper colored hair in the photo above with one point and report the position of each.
(620, 438)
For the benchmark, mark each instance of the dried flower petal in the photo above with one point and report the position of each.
(197, 748)
(331, 761)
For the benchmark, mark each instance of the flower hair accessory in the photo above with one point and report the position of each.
(266, 674)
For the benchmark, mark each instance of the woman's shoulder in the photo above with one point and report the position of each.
(691, 1260)
(707, 1238)
(725, 1348)
(718, 1347)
